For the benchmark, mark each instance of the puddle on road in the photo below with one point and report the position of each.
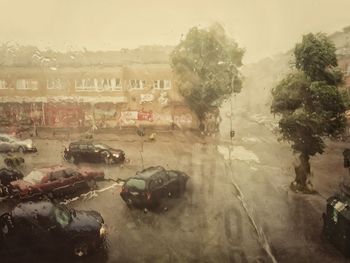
(238, 153)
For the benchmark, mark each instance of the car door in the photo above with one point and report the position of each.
(91, 154)
(173, 181)
(157, 187)
(83, 152)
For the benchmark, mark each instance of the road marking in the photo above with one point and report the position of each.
(259, 231)
(91, 194)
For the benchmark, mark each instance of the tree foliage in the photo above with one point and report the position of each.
(308, 100)
(205, 63)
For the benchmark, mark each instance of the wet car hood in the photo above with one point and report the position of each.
(85, 221)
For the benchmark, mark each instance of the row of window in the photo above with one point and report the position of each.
(92, 84)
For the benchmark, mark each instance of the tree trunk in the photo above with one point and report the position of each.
(201, 125)
(302, 171)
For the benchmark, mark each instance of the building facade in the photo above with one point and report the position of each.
(93, 96)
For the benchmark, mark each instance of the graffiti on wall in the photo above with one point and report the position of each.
(130, 117)
(163, 98)
(146, 98)
(145, 116)
(163, 117)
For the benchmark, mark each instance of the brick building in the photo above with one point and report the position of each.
(92, 96)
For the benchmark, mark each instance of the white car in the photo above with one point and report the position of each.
(12, 144)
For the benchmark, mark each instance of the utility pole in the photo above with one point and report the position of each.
(232, 132)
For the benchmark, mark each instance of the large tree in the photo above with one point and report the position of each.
(205, 63)
(309, 102)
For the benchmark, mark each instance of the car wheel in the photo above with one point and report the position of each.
(73, 159)
(50, 195)
(81, 249)
(108, 160)
(20, 149)
(129, 202)
(92, 184)
(106, 157)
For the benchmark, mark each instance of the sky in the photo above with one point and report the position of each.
(262, 27)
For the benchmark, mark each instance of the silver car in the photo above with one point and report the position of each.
(9, 143)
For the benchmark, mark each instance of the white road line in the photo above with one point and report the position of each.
(90, 194)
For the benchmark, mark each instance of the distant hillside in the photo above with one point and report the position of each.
(262, 76)
(17, 55)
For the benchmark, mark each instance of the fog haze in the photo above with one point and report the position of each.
(262, 27)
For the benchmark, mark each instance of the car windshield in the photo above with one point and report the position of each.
(63, 217)
(101, 146)
(138, 184)
(34, 177)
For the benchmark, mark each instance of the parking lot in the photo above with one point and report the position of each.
(206, 224)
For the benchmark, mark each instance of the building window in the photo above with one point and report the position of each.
(55, 84)
(162, 84)
(27, 84)
(98, 84)
(3, 84)
(137, 84)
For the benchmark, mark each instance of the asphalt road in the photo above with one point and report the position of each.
(207, 224)
(237, 207)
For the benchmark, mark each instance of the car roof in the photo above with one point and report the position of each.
(55, 168)
(150, 172)
(81, 142)
(33, 209)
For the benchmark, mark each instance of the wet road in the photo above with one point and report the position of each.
(233, 211)
(207, 224)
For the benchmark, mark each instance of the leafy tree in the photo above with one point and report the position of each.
(309, 102)
(205, 63)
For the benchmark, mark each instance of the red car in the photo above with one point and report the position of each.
(55, 181)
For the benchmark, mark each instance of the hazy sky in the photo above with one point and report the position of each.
(262, 27)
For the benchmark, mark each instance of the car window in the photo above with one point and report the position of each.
(73, 146)
(101, 146)
(164, 177)
(35, 177)
(3, 139)
(172, 174)
(83, 147)
(138, 184)
(69, 172)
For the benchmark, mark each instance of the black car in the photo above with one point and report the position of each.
(9, 175)
(148, 187)
(93, 152)
(51, 228)
(336, 222)
(6, 177)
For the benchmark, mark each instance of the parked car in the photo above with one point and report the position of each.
(88, 151)
(148, 187)
(13, 161)
(54, 182)
(336, 222)
(50, 227)
(6, 177)
(9, 175)
(10, 143)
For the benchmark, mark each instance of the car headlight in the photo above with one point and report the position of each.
(116, 155)
(103, 231)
